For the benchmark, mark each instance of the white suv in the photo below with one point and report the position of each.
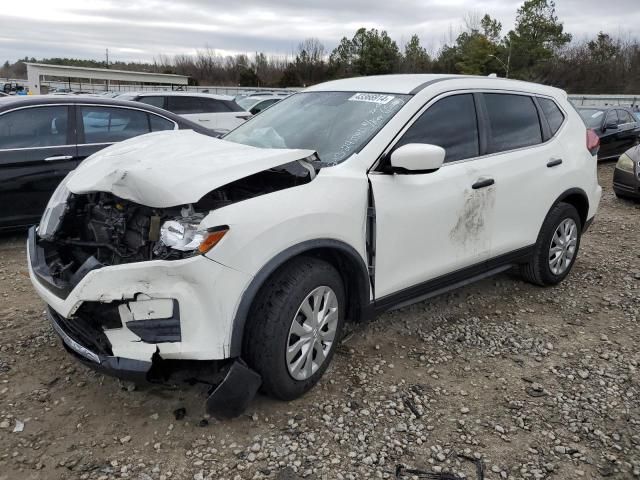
(217, 112)
(338, 203)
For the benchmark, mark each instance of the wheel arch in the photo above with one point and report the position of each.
(347, 261)
(579, 199)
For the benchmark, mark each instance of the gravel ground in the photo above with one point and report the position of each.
(536, 383)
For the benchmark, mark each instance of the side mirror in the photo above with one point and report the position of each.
(255, 111)
(610, 126)
(417, 158)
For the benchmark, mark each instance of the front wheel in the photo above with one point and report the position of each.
(556, 248)
(294, 326)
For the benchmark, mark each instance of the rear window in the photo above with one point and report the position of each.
(211, 105)
(158, 123)
(514, 121)
(232, 105)
(155, 101)
(625, 117)
(553, 114)
(592, 117)
(112, 124)
(183, 105)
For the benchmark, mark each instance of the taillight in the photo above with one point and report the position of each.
(593, 141)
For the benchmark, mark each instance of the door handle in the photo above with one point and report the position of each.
(204, 119)
(554, 162)
(484, 182)
(58, 158)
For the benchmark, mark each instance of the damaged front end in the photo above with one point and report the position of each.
(132, 317)
(81, 233)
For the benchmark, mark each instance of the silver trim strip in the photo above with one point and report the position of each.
(72, 344)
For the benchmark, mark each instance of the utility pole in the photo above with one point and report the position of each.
(505, 66)
(107, 81)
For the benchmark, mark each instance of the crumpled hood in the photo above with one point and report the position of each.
(171, 168)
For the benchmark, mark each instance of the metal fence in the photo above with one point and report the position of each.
(605, 100)
(585, 100)
(101, 87)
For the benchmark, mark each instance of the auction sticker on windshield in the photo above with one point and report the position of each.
(372, 98)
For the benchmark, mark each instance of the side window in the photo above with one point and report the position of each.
(155, 101)
(266, 103)
(233, 106)
(184, 105)
(211, 105)
(158, 123)
(612, 118)
(450, 123)
(111, 124)
(553, 114)
(513, 120)
(34, 127)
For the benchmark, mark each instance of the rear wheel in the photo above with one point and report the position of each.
(294, 326)
(556, 248)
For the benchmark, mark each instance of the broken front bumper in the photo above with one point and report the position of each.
(126, 368)
(138, 298)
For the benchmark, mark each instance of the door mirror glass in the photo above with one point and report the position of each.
(417, 158)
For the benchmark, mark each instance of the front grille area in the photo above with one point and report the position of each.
(87, 325)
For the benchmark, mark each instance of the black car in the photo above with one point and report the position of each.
(626, 176)
(42, 138)
(617, 127)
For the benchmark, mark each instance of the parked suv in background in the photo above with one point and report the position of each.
(337, 203)
(43, 138)
(617, 127)
(218, 112)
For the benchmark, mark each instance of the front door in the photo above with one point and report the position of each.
(37, 150)
(627, 131)
(433, 224)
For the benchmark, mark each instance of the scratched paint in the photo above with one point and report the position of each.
(469, 230)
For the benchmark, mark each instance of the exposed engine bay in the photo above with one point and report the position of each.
(100, 229)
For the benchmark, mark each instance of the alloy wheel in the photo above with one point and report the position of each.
(312, 333)
(563, 246)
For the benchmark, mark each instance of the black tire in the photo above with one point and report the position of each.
(266, 334)
(538, 271)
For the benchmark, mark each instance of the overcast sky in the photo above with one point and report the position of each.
(144, 29)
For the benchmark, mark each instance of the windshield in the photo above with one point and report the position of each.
(592, 117)
(334, 124)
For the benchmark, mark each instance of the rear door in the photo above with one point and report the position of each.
(37, 150)
(100, 126)
(191, 108)
(527, 168)
(226, 114)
